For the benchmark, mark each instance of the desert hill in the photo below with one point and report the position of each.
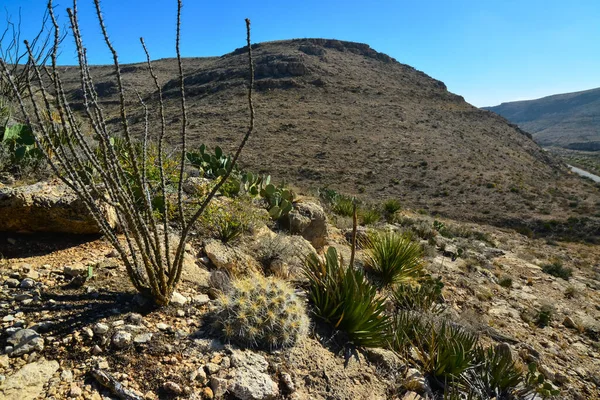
(340, 114)
(570, 120)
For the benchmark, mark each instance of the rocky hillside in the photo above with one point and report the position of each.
(570, 120)
(67, 333)
(340, 114)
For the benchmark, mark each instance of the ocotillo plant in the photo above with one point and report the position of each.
(153, 267)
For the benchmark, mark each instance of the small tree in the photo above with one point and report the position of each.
(98, 175)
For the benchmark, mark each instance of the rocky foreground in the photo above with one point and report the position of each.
(71, 325)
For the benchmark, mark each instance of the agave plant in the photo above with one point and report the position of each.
(343, 297)
(446, 351)
(496, 374)
(394, 258)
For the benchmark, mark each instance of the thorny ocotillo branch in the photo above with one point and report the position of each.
(100, 176)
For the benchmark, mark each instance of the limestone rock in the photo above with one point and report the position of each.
(25, 341)
(177, 299)
(121, 339)
(47, 207)
(383, 358)
(249, 384)
(28, 382)
(231, 259)
(310, 221)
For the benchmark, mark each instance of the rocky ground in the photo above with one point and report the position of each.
(62, 323)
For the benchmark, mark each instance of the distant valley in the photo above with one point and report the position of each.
(569, 120)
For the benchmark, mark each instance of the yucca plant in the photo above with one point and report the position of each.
(446, 351)
(496, 374)
(343, 205)
(343, 297)
(393, 258)
(369, 216)
(391, 207)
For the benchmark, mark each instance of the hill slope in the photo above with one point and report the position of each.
(339, 114)
(569, 120)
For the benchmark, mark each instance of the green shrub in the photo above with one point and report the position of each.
(556, 269)
(544, 315)
(425, 296)
(369, 216)
(393, 258)
(228, 220)
(260, 312)
(344, 298)
(505, 281)
(343, 205)
(391, 206)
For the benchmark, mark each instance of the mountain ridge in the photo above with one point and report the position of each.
(342, 115)
(569, 120)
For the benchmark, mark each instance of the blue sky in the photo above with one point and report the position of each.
(488, 51)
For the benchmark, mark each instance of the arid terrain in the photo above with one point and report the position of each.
(341, 115)
(494, 240)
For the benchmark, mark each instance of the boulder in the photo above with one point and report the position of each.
(29, 381)
(230, 259)
(250, 380)
(47, 207)
(25, 341)
(310, 221)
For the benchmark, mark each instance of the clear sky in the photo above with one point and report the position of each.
(489, 51)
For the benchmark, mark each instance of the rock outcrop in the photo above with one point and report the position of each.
(47, 207)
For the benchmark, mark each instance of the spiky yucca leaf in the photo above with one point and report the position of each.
(446, 351)
(394, 258)
(496, 375)
(343, 297)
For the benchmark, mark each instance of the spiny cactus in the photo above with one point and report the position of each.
(253, 183)
(261, 312)
(211, 165)
(279, 200)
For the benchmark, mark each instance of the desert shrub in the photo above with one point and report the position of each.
(228, 220)
(343, 205)
(340, 204)
(423, 296)
(556, 269)
(571, 292)
(545, 315)
(344, 298)
(424, 230)
(391, 207)
(393, 258)
(260, 312)
(369, 216)
(505, 281)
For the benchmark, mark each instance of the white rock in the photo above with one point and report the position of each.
(29, 381)
(100, 328)
(178, 299)
(121, 339)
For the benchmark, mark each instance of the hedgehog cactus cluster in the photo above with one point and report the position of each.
(261, 312)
